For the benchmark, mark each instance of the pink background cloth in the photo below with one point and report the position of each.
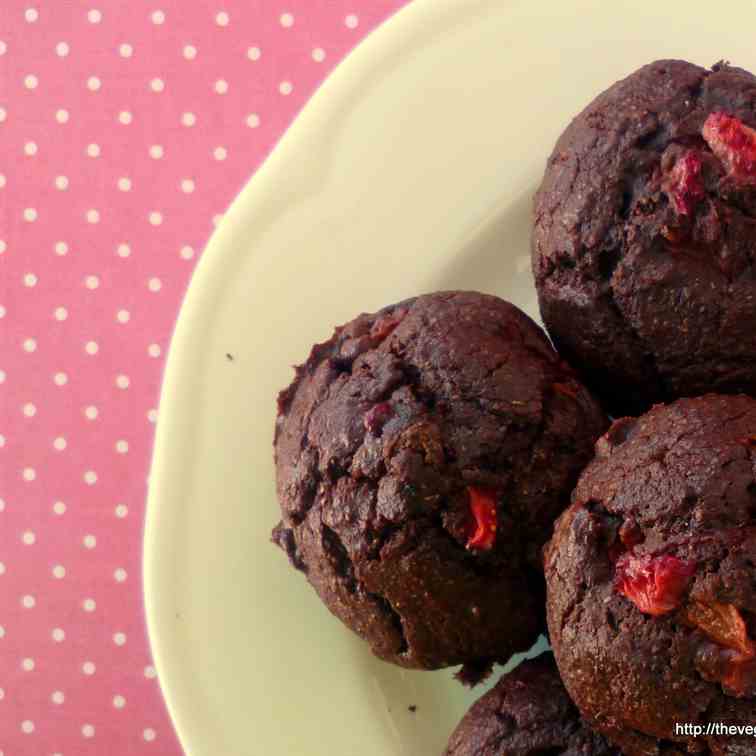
(126, 128)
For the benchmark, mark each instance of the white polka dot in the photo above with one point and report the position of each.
(30, 280)
(120, 575)
(60, 379)
(93, 150)
(29, 474)
(125, 117)
(90, 477)
(62, 49)
(2, 311)
(3, 114)
(88, 668)
(91, 282)
(121, 511)
(3, 246)
(60, 443)
(122, 316)
(59, 508)
(157, 84)
(2, 505)
(2, 441)
(61, 182)
(29, 538)
(30, 148)
(94, 16)
(91, 412)
(89, 605)
(155, 218)
(221, 86)
(123, 250)
(187, 186)
(58, 635)
(122, 381)
(153, 350)
(220, 153)
(318, 55)
(119, 702)
(31, 15)
(27, 727)
(222, 18)
(61, 115)
(149, 672)
(30, 214)
(61, 248)
(158, 17)
(122, 447)
(154, 284)
(253, 120)
(186, 252)
(31, 81)
(254, 53)
(286, 20)
(29, 409)
(88, 730)
(59, 571)
(149, 734)
(124, 184)
(94, 83)
(156, 151)
(93, 216)
(3, 47)
(119, 639)
(2, 376)
(125, 50)
(28, 601)
(2, 635)
(57, 697)
(351, 21)
(189, 52)
(285, 87)
(27, 664)
(91, 347)
(152, 415)
(188, 119)
(89, 541)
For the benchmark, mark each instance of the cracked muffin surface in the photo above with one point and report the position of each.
(422, 454)
(651, 579)
(645, 235)
(527, 713)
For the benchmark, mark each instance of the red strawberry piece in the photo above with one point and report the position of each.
(385, 325)
(655, 584)
(684, 184)
(483, 509)
(734, 144)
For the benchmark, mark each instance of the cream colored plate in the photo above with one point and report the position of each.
(412, 169)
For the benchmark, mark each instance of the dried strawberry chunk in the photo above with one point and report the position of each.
(740, 677)
(483, 510)
(655, 584)
(684, 183)
(376, 417)
(565, 389)
(734, 144)
(382, 327)
(723, 623)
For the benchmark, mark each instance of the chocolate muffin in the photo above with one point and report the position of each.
(645, 236)
(651, 579)
(527, 713)
(422, 453)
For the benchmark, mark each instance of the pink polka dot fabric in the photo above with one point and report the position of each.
(126, 128)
